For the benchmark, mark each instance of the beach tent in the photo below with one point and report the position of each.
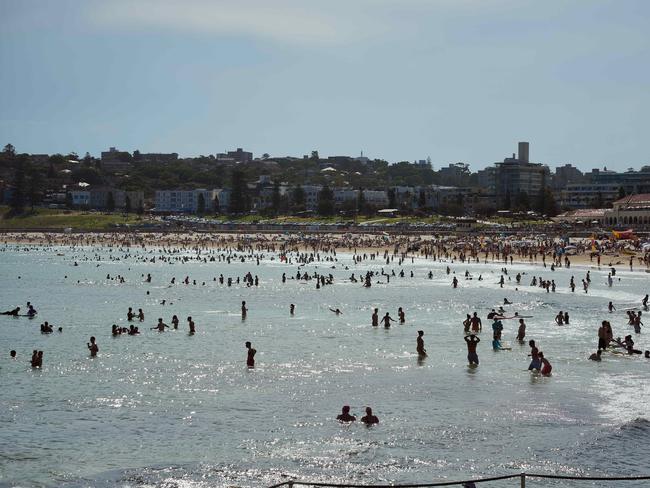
(624, 234)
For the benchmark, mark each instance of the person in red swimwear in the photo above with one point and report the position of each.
(546, 366)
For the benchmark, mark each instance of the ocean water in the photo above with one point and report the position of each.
(174, 410)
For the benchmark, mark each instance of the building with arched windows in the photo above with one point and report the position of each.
(632, 211)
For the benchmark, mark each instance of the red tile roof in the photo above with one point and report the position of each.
(632, 199)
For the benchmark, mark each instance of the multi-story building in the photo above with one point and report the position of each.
(265, 198)
(155, 157)
(631, 181)
(518, 175)
(100, 197)
(587, 195)
(115, 161)
(223, 197)
(343, 195)
(311, 196)
(376, 198)
(487, 179)
(454, 174)
(239, 156)
(565, 175)
(185, 201)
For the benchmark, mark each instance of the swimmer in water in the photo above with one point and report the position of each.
(292, 309)
(34, 360)
(422, 352)
(160, 326)
(466, 323)
(93, 347)
(250, 355)
(477, 325)
(337, 311)
(375, 318)
(369, 418)
(596, 356)
(387, 320)
(400, 314)
(535, 362)
(546, 366)
(13, 313)
(190, 323)
(345, 416)
(472, 341)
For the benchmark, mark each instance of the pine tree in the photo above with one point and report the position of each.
(239, 193)
(298, 198)
(110, 202)
(391, 198)
(361, 202)
(326, 201)
(34, 186)
(422, 199)
(127, 204)
(17, 202)
(200, 205)
(276, 198)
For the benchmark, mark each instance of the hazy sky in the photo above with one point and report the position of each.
(456, 80)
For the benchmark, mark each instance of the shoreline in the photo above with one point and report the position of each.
(449, 246)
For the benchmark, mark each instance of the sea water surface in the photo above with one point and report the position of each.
(174, 410)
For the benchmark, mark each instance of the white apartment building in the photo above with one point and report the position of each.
(311, 196)
(342, 195)
(184, 200)
(376, 198)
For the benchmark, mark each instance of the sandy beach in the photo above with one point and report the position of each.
(522, 249)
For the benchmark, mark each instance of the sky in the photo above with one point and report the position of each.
(453, 80)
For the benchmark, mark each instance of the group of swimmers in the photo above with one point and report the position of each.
(15, 312)
(346, 417)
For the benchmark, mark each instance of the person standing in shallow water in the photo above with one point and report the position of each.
(387, 320)
(521, 332)
(92, 347)
(422, 352)
(250, 358)
(472, 341)
(535, 363)
(244, 310)
(190, 323)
